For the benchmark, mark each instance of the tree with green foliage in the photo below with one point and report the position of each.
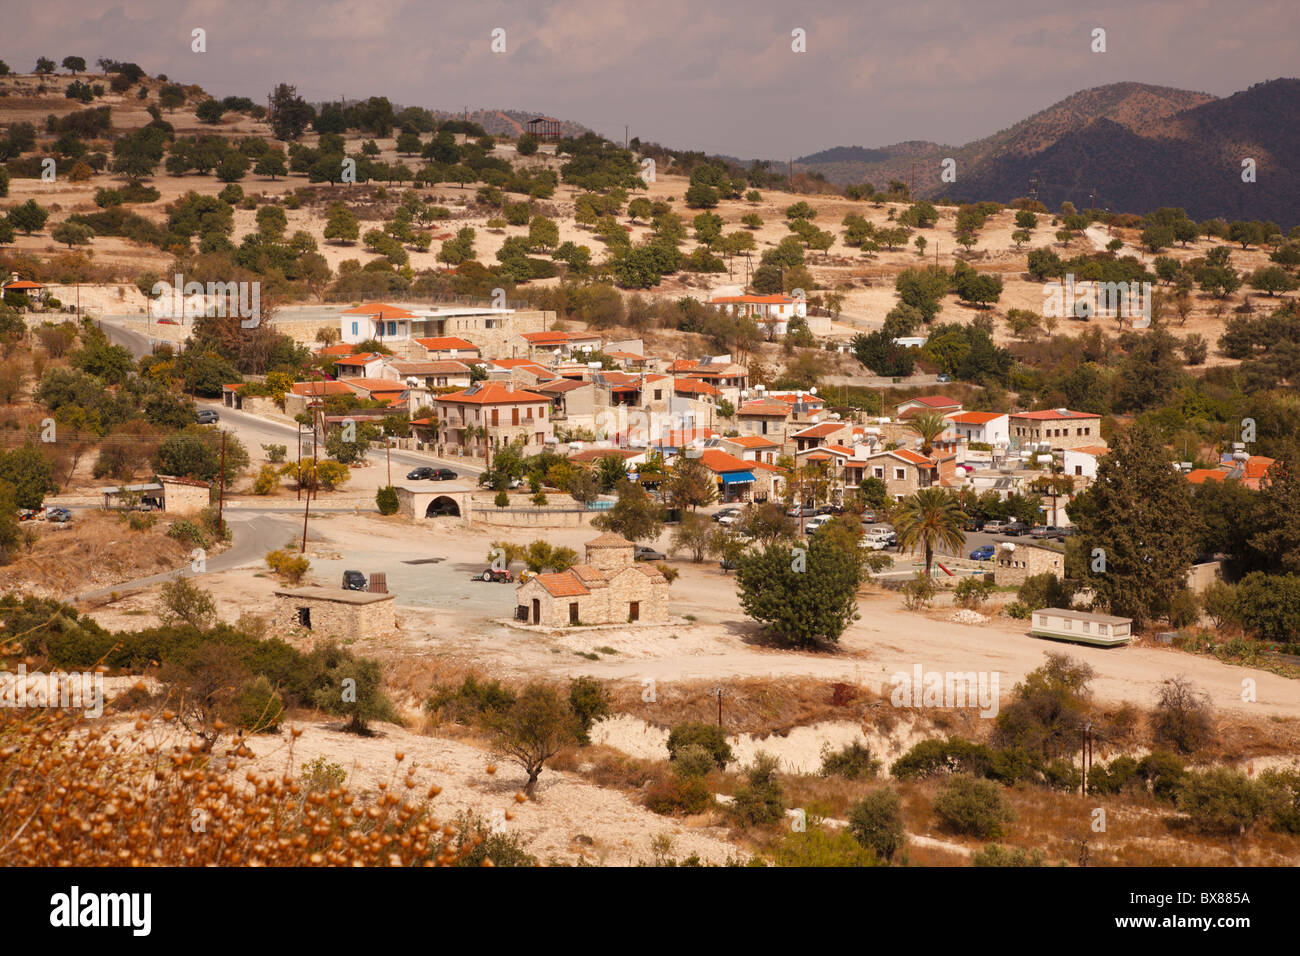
(876, 821)
(930, 518)
(28, 217)
(635, 515)
(532, 730)
(804, 595)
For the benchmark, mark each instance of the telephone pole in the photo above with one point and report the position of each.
(221, 482)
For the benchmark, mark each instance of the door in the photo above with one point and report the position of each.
(494, 417)
(514, 415)
(537, 611)
(573, 613)
(634, 611)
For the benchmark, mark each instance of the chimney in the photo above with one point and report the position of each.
(510, 385)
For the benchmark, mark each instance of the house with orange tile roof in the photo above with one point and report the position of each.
(546, 343)
(764, 418)
(990, 428)
(772, 312)
(492, 414)
(927, 403)
(906, 472)
(823, 433)
(447, 347)
(494, 329)
(1250, 470)
(1081, 462)
(426, 374)
(389, 393)
(364, 365)
(1058, 428)
(609, 587)
(752, 448)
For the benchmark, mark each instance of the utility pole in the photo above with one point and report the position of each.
(718, 690)
(1085, 757)
(306, 511)
(299, 461)
(388, 454)
(221, 479)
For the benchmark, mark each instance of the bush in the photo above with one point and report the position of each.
(1018, 611)
(760, 799)
(1114, 777)
(876, 822)
(697, 733)
(853, 761)
(693, 761)
(972, 591)
(1224, 801)
(288, 565)
(995, 855)
(934, 756)
(1285, 785)
(973, 807)
(1182, 719)
(386, 500)
(478, 844)
(1163, 773)
(590, 702)
(267, 480)
(1060, 774)
(823, 848)
(182, 602)
(467, 703)
(502, 500)
(1043, 590)
(677, 793)
(1184, 609)
(258, 707)
(275, 453)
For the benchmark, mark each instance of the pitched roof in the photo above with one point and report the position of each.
(974, 418)
(609, 540)
(1199, 476)
(319, 388)
(911, 457)
(361, 358)
(561, 584)
(491, 393)
(596, 454)
(379, 310)
(934, 401)
(342, 349)
(764, 409)
(438, 367)
(820, 430)
(1053, 414)
(721, 462)
(694, 386)
(1094, 450)
(589, 574)
(442, 343)
(752, 441)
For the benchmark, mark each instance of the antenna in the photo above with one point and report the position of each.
(1033, 185)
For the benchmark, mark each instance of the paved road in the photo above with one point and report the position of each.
(139, 345)
(251, 537)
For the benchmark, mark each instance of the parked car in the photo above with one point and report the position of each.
(807, 511)
(354, 581)
(1044, 531)
(499, 575)
(643, 553)
(60, 515)
(817, 522)
(945, 377)
(515, 483)
(1016, 529)
(443, 474)
(983, 553)
(996, 526)
(1063, 533)
(419, 474)
(207, 416)
(829, 510)
(725, 513)
(873, 544)
(868, 517)
(974, 524)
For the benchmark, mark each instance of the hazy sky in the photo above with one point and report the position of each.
(719, 76)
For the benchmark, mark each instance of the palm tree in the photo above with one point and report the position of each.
(931, 516)
(929, 425)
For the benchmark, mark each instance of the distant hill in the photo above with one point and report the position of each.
(1138, 146)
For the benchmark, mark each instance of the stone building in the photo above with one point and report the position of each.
(1016, 562)
(333, 612)
(609, 588)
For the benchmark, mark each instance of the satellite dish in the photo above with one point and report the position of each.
(813, 390)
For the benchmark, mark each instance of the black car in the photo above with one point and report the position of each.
(443, 474)
(419, 474)
(1016, 529)
(643, 553)
(206, 416)
(354, 581)
(973, 524)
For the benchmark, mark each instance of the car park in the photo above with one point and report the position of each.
(354, 581)
(644, 553)
(983, 553)
(419, 474)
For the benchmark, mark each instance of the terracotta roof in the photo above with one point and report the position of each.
(817, 455)
(560, 385)
(596, 454)
(374, 384)
(721, 462)
(342, 350)
(974, 418)
(911, 457)
(24, 284)
(752, 441)
(1257, 466)
(838, 449)
(361, 358)
(819, 431)
(379, 310)
(439, 367)
(1053, 414)
(1199, 476)
(529, 364)
(491, 393)
(934, 401)
(1092, 449)
(763, 409)
(561, 584)
(693, 385)
(796, 398)
(320, 388)
(444, 343)
(609, 540)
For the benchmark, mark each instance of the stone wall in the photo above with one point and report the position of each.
(1013, 567)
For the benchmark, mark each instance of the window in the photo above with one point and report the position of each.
(659, 393)
(392, 328)
(530, 413)
(878, 473)
(354, 328)
(1087, 628)
(900, 474)
(1078, 469)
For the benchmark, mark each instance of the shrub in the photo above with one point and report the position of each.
(697, 733)
(760, 799)
(973, 591)
(1285, 785)
(590, 702)
(1020, 612)
(1114, 777)
(1181, 719)
(677, 793)
(1043, 590)
(321, 775)
(1220, 800)
(1060, 774)
(480, 845)
(288, 565)
(1184, 609)
(474, 698)
(973, 807)
(876, 822)
(823, 848)
(853, 761)
(502, 500)
(995, 855)
(258, 707)
(935, 756)
(182, 602)
(693, 761)
(1163, 773)
(267, 480)
(386, 500)
(275, 453)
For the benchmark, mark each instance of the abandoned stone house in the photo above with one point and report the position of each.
(609, 588)
(1015, 564)
(333, 612)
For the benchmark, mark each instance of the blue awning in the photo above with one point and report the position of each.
(738, 478)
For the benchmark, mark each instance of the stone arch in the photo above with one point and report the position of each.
(443, 506)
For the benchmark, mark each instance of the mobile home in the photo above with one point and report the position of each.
(1081, 627)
